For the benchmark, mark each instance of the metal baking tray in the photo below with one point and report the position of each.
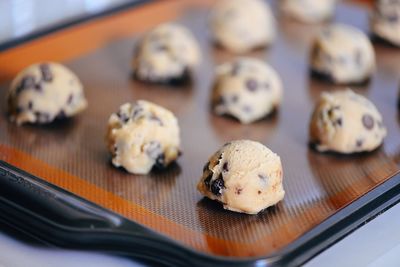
(59, 177)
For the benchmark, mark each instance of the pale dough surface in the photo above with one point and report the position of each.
(44, 92)
(346, 122)
(142, 135)
(344, 54)
(242, 25)
(245, 176)
(385, 20)
(247, 89)
(309, 11)
(169, 51)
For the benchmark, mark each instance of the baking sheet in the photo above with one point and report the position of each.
(72, 154)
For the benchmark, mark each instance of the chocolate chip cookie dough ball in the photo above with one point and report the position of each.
(343, 55)
(242, 25)
(167, 54)
(385, 20)
(44, 92)
(309, 11)
(245, 176)
(247, 89)
(346, 122)
(141, 136)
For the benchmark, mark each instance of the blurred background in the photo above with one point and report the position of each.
(20, 18)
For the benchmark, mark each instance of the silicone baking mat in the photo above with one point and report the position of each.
(72, 154)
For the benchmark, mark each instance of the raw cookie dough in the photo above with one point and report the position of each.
(167, 54)
(247, 89)
(44, 92)
(343, 55)
(346, 122)
(309, 11)
(245, 176)
(141, 136)
(385, 20)
(242, 25)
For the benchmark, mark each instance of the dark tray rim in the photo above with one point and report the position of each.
(63, 219)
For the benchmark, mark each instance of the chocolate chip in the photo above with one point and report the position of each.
(207, 180)
(61, 115)
(38, 87)
(70, 98)
(159, 47)
(153, 149)
(251, 85)
(393, 18)
(205, 167)
(30, 105)
(225, 167)
(26, 82)
(160, 162)
(247, 109)
(217, 186)
(220, 101)
(368, 121)
(47, 76)
(137, 112)
(238, 190)
(156, 119)
(262, 177)
(259, 192)
(338, 122)
(235, 98)
(235, 69)
(122, 117)
(359, 142)
(358, 57)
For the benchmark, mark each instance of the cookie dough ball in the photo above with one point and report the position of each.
(343, 55)
(167, 54)
(385, 21)
(242, 25)
(346, 122)
(141, 136)
(245, 176)
(309, 11)
(247, 89)
(44, 92)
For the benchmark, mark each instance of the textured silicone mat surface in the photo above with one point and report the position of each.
(72, 154)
